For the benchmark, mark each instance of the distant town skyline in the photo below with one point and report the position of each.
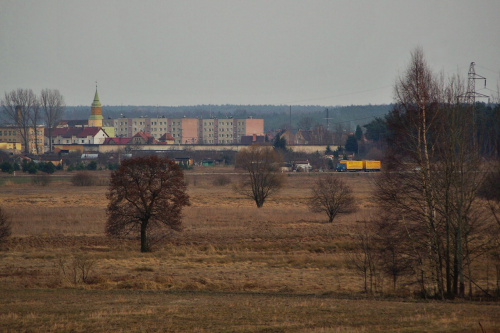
(283, 52)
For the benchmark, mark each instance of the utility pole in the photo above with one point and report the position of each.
(327, 119)
(328, 124)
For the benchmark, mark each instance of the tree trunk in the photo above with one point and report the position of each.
(144, 237)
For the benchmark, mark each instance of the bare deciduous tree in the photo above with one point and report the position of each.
(52, 104)
(146, 196)
(332, 196)
(19, 106)
(34, 131)
(78, 270)
(391, 247)
(432, 184)
(263, 179)
(363, 258)
(490, 190)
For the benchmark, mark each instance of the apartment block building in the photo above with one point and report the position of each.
(184, 130)
(191, 130)
(227, 131)
(12, 134)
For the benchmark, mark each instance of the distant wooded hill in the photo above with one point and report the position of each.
(275, 116)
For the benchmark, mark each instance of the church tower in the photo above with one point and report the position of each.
(95, 119)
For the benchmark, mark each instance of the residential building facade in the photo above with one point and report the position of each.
(191, 130)
(79, 135)
(12, 134)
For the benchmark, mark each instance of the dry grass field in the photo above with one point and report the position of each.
(234, 268)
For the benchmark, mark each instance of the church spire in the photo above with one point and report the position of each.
(96, 103)
(95, 119)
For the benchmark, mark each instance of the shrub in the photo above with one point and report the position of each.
(78, 270)
(92, 165)
(32, 169)
(48, 167)
(112, 166)
(82, 179)
(42, 180)
(7, 167)
(222, 180)
(80, 166)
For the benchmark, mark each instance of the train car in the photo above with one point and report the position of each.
(371, 166)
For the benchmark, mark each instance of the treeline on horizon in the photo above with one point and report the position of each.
(275, 116)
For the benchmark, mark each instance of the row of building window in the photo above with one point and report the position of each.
(14, 140)
(220, 136)
(229, 128)
(14, 133)
(221, 130)
(220, 141)
(152, 130)
(152, 123)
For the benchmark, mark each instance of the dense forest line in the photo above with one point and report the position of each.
(275, 116)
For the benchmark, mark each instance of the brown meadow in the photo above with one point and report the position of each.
(233, 268)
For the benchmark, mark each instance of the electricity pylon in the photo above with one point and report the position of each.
(469, 98)
(471, 94)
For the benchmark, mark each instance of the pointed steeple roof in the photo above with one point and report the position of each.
(96, 103)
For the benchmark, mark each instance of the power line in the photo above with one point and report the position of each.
(487, 89)
(339, 95)
(488, 69)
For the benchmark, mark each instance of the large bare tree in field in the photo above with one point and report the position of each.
(20, 107)
(146, 196)
(52, 104)
(417, 96)
(263, 178)
(434, 172)
(332, 196)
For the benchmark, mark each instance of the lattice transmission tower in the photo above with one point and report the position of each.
(470, 96)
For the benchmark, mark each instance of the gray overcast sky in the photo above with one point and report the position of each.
(239, 52)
